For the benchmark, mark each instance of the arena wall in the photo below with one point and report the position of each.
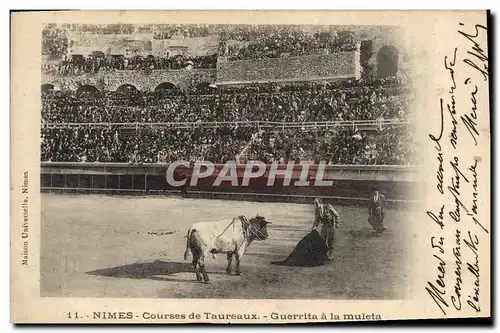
(344, 65)
(142, 80)
(336, 66)
(350, 182)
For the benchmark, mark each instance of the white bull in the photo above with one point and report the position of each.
(232, 238)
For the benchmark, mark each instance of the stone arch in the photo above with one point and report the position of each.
(127, 88)
(87, 90)
(168, 86)
(387, 61)
(167, 89)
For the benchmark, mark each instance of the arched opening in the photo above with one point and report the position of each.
(167, 89)
(127, 89)
(387, 61)
(87, 91)
(166, 86)
(128, 95)
(47, 88)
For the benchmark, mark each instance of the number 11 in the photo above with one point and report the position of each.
(73, 316)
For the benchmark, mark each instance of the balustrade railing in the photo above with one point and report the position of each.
(366, 124)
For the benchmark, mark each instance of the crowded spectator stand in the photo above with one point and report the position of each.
(235, 43)
(363, 121)
(99, 62)
(315, 121)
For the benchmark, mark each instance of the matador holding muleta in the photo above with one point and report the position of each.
(329, 218)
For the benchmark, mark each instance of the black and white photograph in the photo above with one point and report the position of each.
(120, 103)
(258, 161)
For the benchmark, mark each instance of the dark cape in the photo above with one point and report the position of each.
(310, 251)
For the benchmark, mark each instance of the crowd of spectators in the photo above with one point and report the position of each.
(298, 103)
(294, 103)
(143, 145)
(185, 31)
(238, 32)
(286, 41)
(73, 65)
(55, 41)
(159, 31)
(390, 145)
(104, 29)
(236, 42)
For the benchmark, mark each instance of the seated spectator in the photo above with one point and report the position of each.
(76, 65)
(286, 41)
(357, 100)
(122, 126)
(392, 145)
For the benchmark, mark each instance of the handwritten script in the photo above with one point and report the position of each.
(456, 282)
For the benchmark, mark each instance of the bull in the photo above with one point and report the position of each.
(232, 238)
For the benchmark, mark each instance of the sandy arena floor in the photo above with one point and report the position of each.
(99, 246)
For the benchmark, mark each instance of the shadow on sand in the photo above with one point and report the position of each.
(155, 270)
(309, 252)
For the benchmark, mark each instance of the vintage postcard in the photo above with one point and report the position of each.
(249, 167)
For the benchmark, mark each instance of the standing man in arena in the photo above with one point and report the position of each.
(329, 219)
(376, 211)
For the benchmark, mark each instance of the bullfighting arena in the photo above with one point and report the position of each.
(116, 246)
